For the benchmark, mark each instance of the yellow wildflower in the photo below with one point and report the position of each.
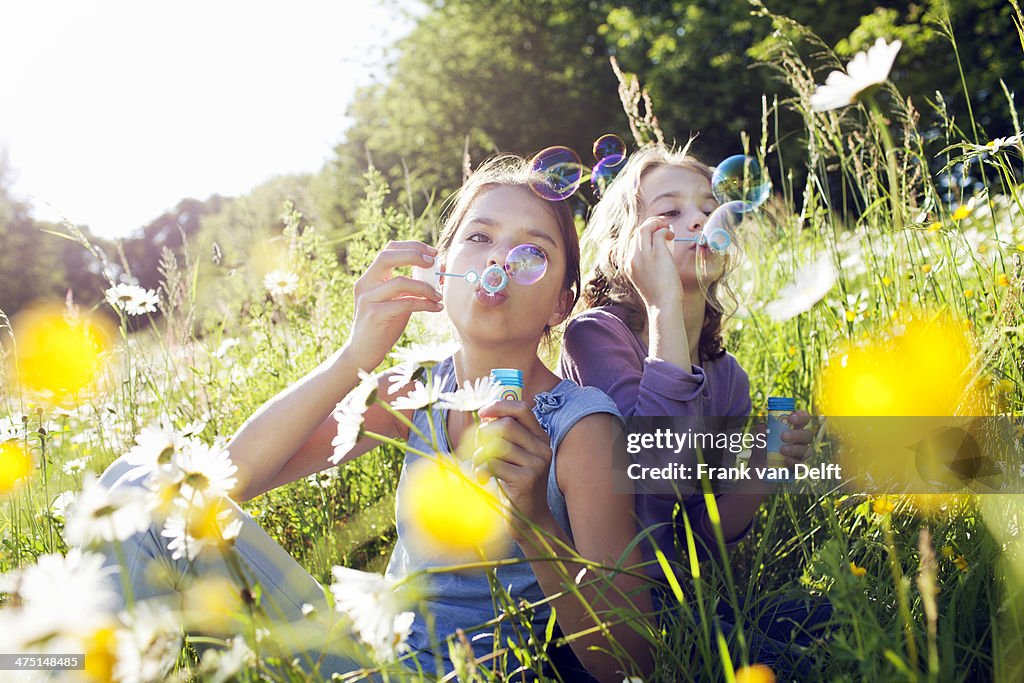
(886, 281)
(755, 673)
(850, 316)
(964, 210)
(926, 268)
(1005, 386)
(1002, 279)
(961, 563)
(882, 506)
(15, 466)
(948, 552)
(935, 227)
(968, 293)
(857, 571)
(791, 350)
(1020, 246)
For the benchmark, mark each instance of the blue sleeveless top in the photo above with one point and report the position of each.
(463, 599)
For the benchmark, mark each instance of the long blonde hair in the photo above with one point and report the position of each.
(606, 242)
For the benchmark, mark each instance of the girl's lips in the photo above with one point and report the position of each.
(489, 300)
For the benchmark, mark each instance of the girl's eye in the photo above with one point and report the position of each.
(477, 237)
(670, 214)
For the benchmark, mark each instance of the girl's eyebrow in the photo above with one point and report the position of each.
(675, 194)
(533, 232)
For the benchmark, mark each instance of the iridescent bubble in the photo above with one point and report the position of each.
(605, 171)
(731, 237)
(560, 170)
(741, 178)
(607, 145)
(526, 264)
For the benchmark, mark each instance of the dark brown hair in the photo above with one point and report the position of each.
(509, 170)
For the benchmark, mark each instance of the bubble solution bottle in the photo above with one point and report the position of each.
(511, 382)
(779, 410)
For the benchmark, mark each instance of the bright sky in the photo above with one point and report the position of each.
(112, 111)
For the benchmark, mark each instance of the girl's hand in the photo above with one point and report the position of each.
(384, 302)
(796, 439)
(650, 266)
(514, 448)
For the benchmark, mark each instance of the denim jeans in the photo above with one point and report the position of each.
(151, 572)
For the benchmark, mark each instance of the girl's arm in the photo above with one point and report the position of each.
(599, 350)
(287, 437)
(603, 525)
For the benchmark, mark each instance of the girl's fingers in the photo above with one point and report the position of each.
(514, 436)
(390, 309)
(797, 436)
(422, 256)
(401, 286)
(520, 412)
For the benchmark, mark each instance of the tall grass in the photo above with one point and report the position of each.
(919, 589)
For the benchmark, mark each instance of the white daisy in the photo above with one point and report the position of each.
(205, 470)
(865, 71)
(281, 282)
(421, 396)
(102, 515)
(219, 666)
(426, 355)
(349, 414)
(76, 466)
(472, 396)
(61, 504)
(375, 609)
(154, 446)
(811, 285)
(63, 594)
(148, 646)
(132, 299)
(206, 522)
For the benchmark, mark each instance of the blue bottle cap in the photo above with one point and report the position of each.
(781, 403)
(508, 377)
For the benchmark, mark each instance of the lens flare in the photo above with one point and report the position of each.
(741, 178)
(558, 171)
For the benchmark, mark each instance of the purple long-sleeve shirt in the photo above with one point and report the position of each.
(600, 350)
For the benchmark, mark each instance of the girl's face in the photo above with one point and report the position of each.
(499, 219)
(684, 198)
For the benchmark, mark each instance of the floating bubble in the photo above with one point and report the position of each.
(526, 264)
(560, 170)
(605, 171)
(608, 145)
(741, 178)
(731, 232)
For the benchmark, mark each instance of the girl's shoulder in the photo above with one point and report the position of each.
(559, 409)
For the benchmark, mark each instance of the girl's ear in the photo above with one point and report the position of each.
(563, 309)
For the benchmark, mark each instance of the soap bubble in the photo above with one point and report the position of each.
(560, 170)
(526, 264)
(494, 279)
(732, 234)
(741, 178)
(605, 171)
(608, 145)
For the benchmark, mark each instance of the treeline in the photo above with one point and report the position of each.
(483, 76)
